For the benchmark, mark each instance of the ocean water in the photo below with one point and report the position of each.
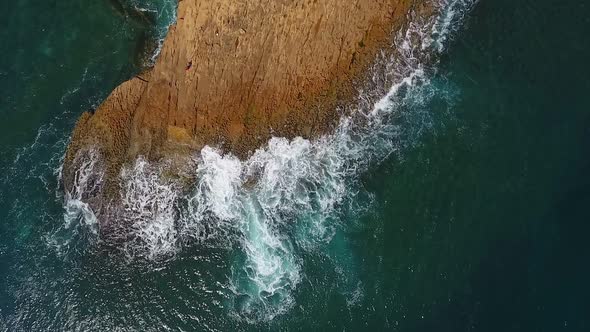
(455, 198)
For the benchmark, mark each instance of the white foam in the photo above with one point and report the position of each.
(219, 180)
(271, 269)
(149, 203)
(80, 222)
(212, 207)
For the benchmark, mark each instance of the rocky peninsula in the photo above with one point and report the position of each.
(232, 74)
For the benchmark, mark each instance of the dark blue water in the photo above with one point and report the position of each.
(490, 215)
(480, 225)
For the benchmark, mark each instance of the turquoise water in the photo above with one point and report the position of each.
(471, 214)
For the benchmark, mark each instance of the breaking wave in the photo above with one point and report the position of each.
(80, 223)
(285, 199)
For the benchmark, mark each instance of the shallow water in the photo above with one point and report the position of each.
(462, 206)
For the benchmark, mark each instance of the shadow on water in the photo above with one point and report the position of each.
(149, 39)
(127, 9)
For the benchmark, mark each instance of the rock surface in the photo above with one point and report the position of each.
(233, 73)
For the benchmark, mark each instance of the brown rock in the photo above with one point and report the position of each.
(232, 73)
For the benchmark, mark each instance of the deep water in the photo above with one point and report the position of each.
(480, 224)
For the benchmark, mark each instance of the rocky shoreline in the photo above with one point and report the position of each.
(232, 74)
